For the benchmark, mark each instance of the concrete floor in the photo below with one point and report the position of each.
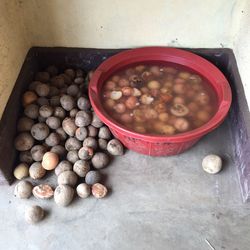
(165, 203)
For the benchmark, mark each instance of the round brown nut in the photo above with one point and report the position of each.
(25, 156)
(85, 153)
(42, 89)
(70, 72)
(102, 143)
(24, 124)
(40, 131)
(23, 190)
(96, 122)
(83, 103)
(63, 195)
(31, 111)
(81, 168)
(69, 126)
(115, 147)
(67, 178)
(34, 214)
(50, 160)
(73, 90)
(72, 144)
(55, 101)
(104, 133)
(63, 166)
(81, 133)
(53, 122)
(72, 156)
(53, 139)
(59, 150)
(73, 112)
(29, 97)
(92, 131)
(100, 160)
(43, 191)
(42, 101)
(37, 152)
(36, 171)
(59, 112)
(52, 70)
(21, 171)
(33, 85)
(53, 91)
(93, 177)
(90, 142)
(46, 111)
(63, 136)
(83, 190)
(99, 191)
(67, 102)
(24, 142)
(42, 76)
(82, 119)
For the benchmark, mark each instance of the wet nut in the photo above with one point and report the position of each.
(73, 90)
(131, 102)
(83, 190)
(42, 76)
(90, 142)
(53, 122)
(45, 111)
(59, 112)
(119, 108)
(184, 75)
(63, 166)
(115, 147)
(69, 126)
(203, 115)
(146, 99)
(168, 129)
(50, 160)
(73, 112)
(40, 131)
(83, 119)
(31, 111)
(67, 178)
(43, 191)
(202, 98)
(55, 101)
(72, 144)
(42, 101)
(178, 100)
(85, 153)
(42, 89)
(92, 131)
(21, 171)
(126, 118)
(181, 124)
(212, 164)
(34, 214)
(81, 168)
(24, 124)
(59, 150)
(81, 133)
(195, 79)
(99, 191)
(29, 97)
(93, 177)
(104, 133)
(72, 156)
(100, 160)
(23, 190)
(52, 140)
(96, 122)
(102, 143)
(179, 110)
(83, 103)
(123, 82)
(154, 85)
(150, 114)
(179, 88)
(163, 117)
(127, 91)
(63, 195)
(67, 102)
(36, 171)
(24, 142)
(25, 156)
(63, 136)
(37, 152)
(136, 92)
(110, 85)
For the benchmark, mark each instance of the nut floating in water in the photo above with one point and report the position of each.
(34, 214)
(99, 191)
(50, 160)
(212, 164)
(43, 191)
(23, 190)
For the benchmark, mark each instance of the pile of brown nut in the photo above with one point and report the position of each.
(60, 132)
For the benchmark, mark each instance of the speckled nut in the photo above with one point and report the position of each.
(100, 160)
(99, 191)
(36, 171)
(92, 177)
(83, 119)
(72, 156)
(21, 171)
(63, 195)
(83, 190)
(81, 133)
(43, 191)
(31, 111)
(23, 190)
(90, 142)
(85, 153)
(67, 178)
(50, 160)
(37, 152)
(34, 214)
(104, 133)
(81, 168)
(83, 103)
(96, 122)
(72, 144)
(115, 147)
(40, 131)
(67, 102)
(46, 111)
(63, 166)
(102, 143)
(69, 126)
(25, 157)
(212, 164)
(24, 142)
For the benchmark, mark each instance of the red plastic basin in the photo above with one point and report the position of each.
(156, 145)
